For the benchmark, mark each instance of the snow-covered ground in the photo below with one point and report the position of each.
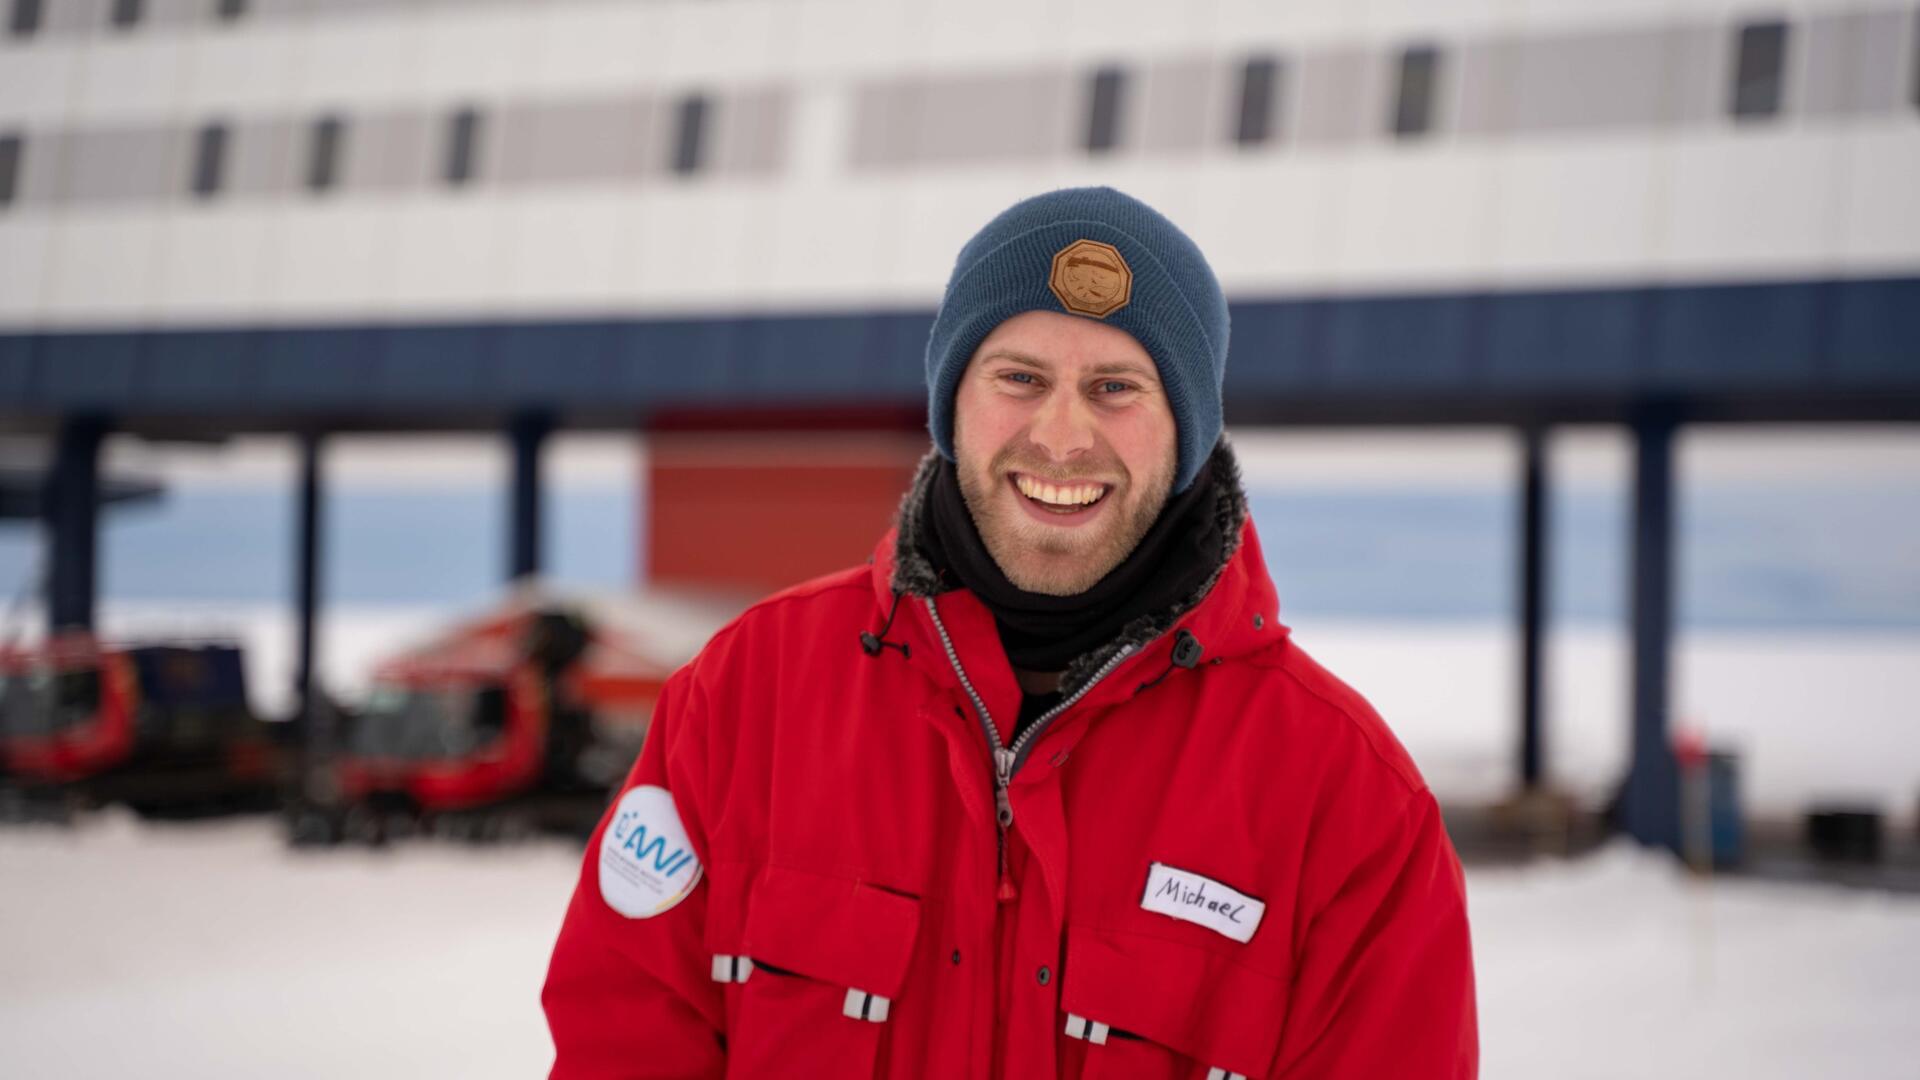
(210, 951)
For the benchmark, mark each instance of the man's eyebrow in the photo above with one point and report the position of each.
(1018, 358)
(1124, 367)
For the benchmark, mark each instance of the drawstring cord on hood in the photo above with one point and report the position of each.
(872, 643)
(1186, 654)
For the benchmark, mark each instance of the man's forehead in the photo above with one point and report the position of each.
(1107, 366)
(1050, 341)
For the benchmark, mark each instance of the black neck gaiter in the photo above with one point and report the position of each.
(1045, 633)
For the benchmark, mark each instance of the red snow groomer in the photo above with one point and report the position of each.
(163, 728)
(521, 720)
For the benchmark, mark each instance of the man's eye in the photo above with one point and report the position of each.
(1021, 376)
(1115, 386)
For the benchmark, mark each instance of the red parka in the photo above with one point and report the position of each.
(1216, 860)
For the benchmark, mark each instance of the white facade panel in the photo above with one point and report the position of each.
(26, 259)
(214, 265)
(1753, 203)
(104, 269)
(1569, 211)
(1880, 220)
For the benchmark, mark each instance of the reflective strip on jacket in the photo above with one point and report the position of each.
(841, 803)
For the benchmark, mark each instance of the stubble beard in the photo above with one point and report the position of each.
(1054, 560)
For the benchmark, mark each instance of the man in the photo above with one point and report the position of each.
(1045, 789)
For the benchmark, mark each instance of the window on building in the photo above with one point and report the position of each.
(1413, 100)
(1914, 66)
(209, 160)
(125, 13)
(1103, 109)
(323, 154)
(689, 133)
(1759, 74)
(1259, 101)
(24, 19)
(463, 146)
(12, 148)
(229, 10)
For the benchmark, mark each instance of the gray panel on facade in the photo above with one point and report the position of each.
(1610, 80)
(279, 9)
(1853, 64)
(74, 16)
(1489, 69)
(1700, 60)
(884, 117)
(391, 151)
(112, 165)
(263, 157)
(43, 167)
(750, 137)
(573, 141)
(1009, 116)
(1180, 115)
(1343, 96)
(172, 13)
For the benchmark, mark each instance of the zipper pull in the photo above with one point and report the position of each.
(1003, 814)
(1002, 779)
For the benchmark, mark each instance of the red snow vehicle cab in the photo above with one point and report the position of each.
(66, 709)
(163, 727)
(530, 714)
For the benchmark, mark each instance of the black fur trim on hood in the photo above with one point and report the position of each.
(915, 576)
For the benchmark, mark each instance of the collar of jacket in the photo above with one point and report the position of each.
(1235, 611)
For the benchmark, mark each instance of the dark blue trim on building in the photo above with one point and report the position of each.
(1831, 347)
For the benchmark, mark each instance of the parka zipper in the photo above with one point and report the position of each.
(1008, 759)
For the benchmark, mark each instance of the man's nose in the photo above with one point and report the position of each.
(1063, 426)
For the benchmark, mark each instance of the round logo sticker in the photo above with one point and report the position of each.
(646, 863)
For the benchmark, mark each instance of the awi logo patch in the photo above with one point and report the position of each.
(646, 863)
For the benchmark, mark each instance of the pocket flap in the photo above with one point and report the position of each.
(1207, 1006)
(834, 929)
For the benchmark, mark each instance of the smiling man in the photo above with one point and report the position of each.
(1046, 789)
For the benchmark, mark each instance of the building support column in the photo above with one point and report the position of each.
(1650, 803)
(1532, 602)
(528, 433)
(70, 502)
(316, 721)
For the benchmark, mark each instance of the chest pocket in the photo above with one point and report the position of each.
(829, 958)
(1142, 1006)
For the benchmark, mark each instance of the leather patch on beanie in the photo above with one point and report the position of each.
(1091, 278)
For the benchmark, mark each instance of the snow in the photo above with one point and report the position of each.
(212, 951)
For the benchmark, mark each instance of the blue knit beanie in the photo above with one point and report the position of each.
(1097, 253)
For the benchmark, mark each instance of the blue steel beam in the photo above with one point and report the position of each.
(1824, 349)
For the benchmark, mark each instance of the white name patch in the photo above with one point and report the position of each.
(646, 864)
(1202, 901)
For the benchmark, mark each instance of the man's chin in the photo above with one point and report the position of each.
(1054, 569)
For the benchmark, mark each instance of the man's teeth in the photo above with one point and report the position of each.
(1061, 495)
